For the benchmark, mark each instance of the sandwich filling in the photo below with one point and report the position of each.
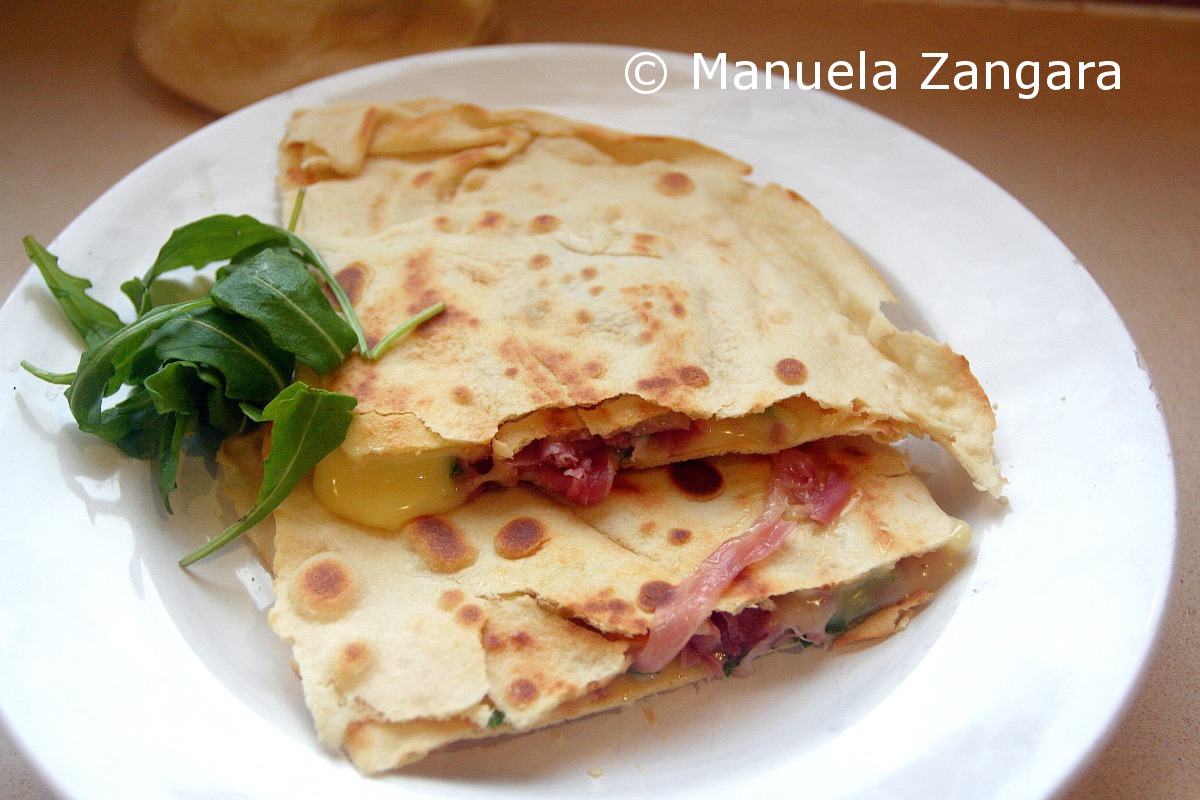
(386, 490)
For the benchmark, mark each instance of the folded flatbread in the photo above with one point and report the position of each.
(516, 610)
(647, 442)
(613, 301)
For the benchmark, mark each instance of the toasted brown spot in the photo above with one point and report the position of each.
(522, 691)
(511, 372)
(423, 177)
(462, 395)
(299, 177)
(539, 261)
(593, 369)
(645, 243)
(352, 278)
(654, 594)
(443, 224)
(567, 370)
(674, 184)
(424, 300)
(494, 641)
(355, 652)
(353, 662)
(451, 599)
(544, 223)
(490, 220)
(444, 547)
(656, 384)
(648, 527)
(693, 376)
(416, 274)
(583, 316)
(679, 536)
(608, 607)
(325, 580)
(679, 309)
(324, 587)
(698, 478)
(521, 538)
(790, 371)
(588, 273)
(470, 614)
(595, 290)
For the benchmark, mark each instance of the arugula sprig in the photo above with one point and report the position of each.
(221, 362)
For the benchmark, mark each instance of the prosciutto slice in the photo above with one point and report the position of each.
(799, 479)
(581, 470)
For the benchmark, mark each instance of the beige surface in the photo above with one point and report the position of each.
(1113, 174)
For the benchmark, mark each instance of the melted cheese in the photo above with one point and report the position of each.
(786, 424)
(387, 490)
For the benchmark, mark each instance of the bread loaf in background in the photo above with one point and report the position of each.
(225, 54)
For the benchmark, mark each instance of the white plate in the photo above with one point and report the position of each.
(125, 676)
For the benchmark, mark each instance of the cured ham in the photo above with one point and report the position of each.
(581, 471)
(799, 479)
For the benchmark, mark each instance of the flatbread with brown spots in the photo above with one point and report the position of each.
(516, 611)
(600, 284)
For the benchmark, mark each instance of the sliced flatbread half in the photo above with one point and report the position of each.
(613, 301)
(517, 610)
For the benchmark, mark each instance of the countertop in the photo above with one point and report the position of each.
(1115, 174)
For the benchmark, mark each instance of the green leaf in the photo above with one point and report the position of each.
(60, 378)
(307, 425)
(93, 320)
(275, 289)
(224, 237)
(174, 428)
(175, 387)
(251, 411)
(133, 425)
(220, 237)
(253, 368)
(225, 414)
(177, 391)
(106, 365)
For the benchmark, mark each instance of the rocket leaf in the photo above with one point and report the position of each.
(307, 425)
